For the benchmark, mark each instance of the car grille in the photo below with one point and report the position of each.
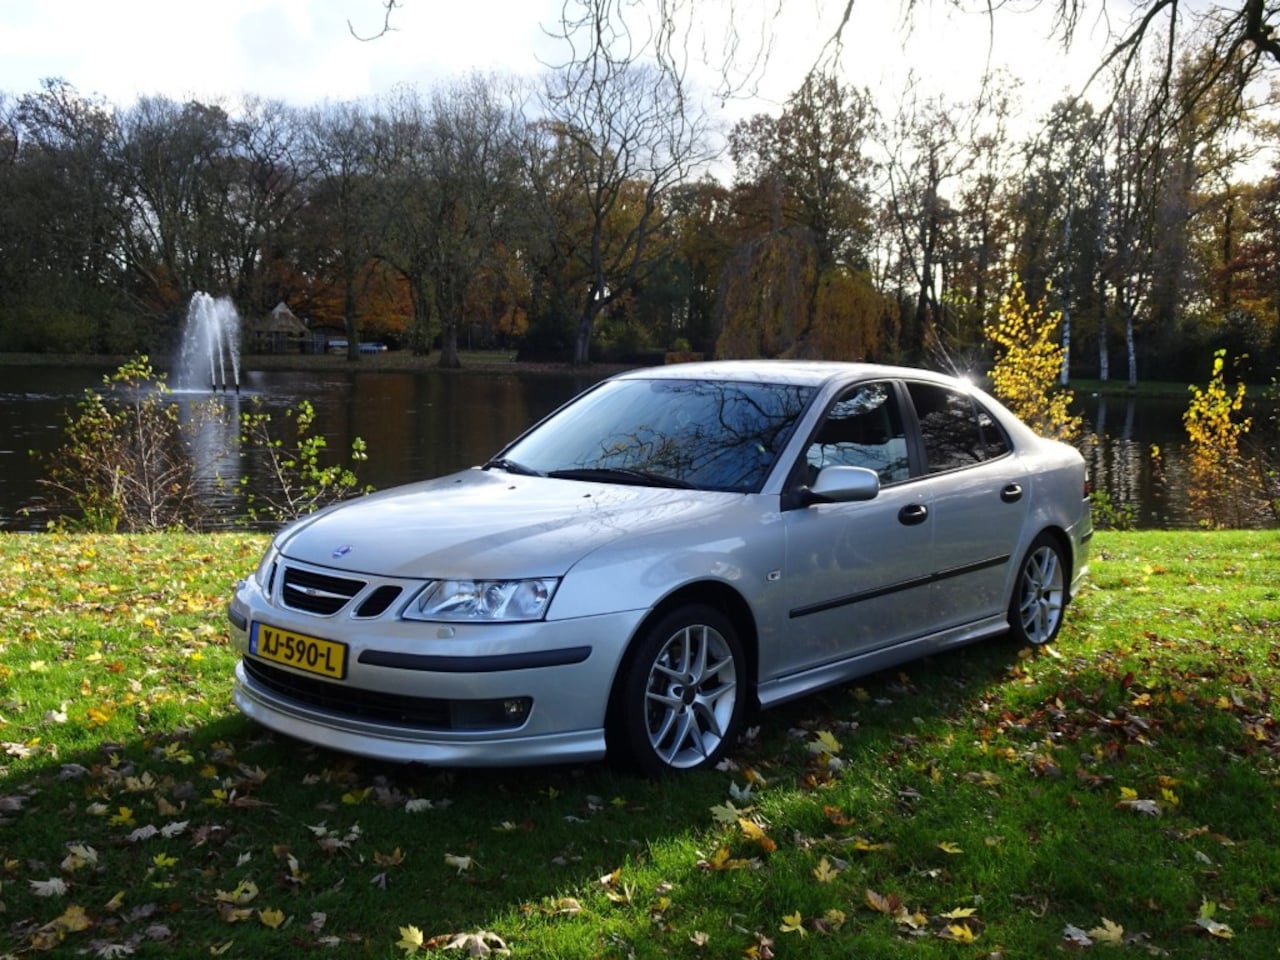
(377, 602)
(317, 593)
(375, 707)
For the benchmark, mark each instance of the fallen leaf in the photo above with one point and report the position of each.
(825, 742)
(887, 905)
(462, 863)
(793, 923)
(1205, 921)
(79, 855)
(753, 831)
(1110, 933)
(53, 887)
(1076, 937)
(74, 919)
(824, 872)
(271, 917)
(410, 939)
(245, 892)
(1148, 808)
(481, 943)
(726, 813)
(721, 861)
(959, 932)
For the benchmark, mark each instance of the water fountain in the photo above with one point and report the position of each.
(209, 356)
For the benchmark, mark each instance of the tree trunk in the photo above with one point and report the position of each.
(582, 342)
(449, 307)
(420, 335)
(349, 320)
(1104, 355)
(1130, 347)
(449, 358)
(1065, 376)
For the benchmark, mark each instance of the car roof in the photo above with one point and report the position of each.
(815, 373)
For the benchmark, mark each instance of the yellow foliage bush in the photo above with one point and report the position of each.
(1027, 363)
(1218, 488)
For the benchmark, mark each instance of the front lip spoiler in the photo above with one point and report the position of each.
(497, 663)
(404, 745)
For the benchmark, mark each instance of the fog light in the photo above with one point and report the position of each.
(489, 714)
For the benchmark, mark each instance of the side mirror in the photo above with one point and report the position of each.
(842, 485)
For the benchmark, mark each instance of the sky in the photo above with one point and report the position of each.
(302, 51)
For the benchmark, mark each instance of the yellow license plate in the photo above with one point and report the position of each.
(328, 658)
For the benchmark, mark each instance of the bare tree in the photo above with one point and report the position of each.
(628, 136)
(930, 149)
(450, 176)
(341, 228)
(736, 38)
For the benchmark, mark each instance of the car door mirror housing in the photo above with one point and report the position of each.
(838, 484)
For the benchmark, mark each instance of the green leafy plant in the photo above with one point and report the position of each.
(1109, 515)
(298, 482)
(126, 463)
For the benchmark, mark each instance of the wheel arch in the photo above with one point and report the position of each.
(1063, 541)
(715, 594)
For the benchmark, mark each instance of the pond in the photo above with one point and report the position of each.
(427, 423)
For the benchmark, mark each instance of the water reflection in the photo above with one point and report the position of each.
(416, 425)
(1138, 458)
(420, 425)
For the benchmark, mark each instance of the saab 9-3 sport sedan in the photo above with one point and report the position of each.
(669, 550)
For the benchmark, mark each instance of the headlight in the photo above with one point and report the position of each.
(266, 569)
(483, 600)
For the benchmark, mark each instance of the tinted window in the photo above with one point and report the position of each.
(863, 429)
(956, 431)
(712, 435)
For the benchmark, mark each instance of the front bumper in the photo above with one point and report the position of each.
(408, 683)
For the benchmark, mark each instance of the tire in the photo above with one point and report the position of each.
(1039, 593)
(679, 703)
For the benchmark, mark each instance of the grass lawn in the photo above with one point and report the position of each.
(1117, 794)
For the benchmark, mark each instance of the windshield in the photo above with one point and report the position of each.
(709, 435)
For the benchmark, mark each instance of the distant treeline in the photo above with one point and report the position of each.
(583, 221)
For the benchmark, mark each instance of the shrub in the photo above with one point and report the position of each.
(1219, 477)
(126, 462)
(1027, 364)
(296, 482)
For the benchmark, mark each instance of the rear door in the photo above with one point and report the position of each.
(979, 493)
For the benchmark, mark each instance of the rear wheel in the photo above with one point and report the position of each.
(680, 700)
(1039, 593)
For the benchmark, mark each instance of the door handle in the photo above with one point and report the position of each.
(1012, 493)
(912, 514)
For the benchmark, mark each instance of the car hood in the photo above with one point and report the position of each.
(481, 523)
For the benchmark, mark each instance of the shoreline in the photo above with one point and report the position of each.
(389, 361)
(490, 362)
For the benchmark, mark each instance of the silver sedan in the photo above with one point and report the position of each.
(669, 550)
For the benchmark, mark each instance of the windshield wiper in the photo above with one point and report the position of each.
(511, 466)
(621, 475)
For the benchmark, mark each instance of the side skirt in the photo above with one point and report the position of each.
(781, 689)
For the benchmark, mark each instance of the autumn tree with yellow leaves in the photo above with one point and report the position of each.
(1219, 475)
(1027, 363)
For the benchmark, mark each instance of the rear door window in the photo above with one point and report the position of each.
(954, 428)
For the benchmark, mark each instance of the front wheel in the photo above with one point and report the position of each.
(1039, 593)
(680, 699)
